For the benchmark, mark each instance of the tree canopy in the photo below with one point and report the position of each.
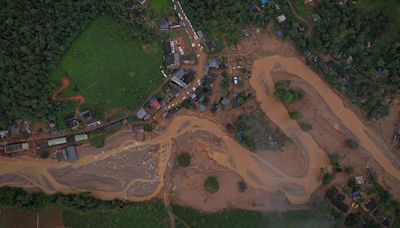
(35, 36)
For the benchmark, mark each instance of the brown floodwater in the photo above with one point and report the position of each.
(346, 116)
(255, 170)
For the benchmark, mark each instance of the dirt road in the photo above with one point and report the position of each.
(65, 84)
(310, 31)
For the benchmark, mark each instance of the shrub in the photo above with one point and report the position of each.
(148, 127)
(348, 170)
(352, 144)
(43, 154)
(305, 126)
(96, 139)
(211, 185)
(295, 115)
(242, 186)
(334, 159)
(327, 178)
(184, 159)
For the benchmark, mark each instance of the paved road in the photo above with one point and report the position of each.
(201, 60)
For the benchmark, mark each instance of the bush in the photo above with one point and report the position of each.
(184, 159)
(295, 115)
(43, 154)
(211, 185)
(334, 159)
(148, 127)
(327, 178)
(242, 186)
(305, 126)
(348, 170)
(96, 140)
(352, 144)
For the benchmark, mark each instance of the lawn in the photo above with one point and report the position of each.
(154, 214)
(109, 68)
(160, 8)
(149, 214)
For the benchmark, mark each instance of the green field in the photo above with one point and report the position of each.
(149, 214)
(160, 8)
(110, 69)
(154, 214)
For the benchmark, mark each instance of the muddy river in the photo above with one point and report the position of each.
(255, 170)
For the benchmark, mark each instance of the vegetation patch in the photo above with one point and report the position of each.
(351, 143)
(234, 218)
(149, 214)
(97, 139)
(184, 159)
(305, 126)
(211, 185)
(256, 133)
(286, 95)
(158, 8)
(109, 68)
(295, 115)
(223, 18)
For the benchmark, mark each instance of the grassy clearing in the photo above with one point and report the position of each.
(305, 11)
(159, 8)
(110, 69)
(150, 214)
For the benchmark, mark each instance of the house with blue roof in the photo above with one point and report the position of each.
(213, 63)
(71, 153)
(264, 2)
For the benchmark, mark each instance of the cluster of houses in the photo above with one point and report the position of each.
(85, 118)
(357, 202)
(67, 145)
(174, 55)
(18, 128)
(208, 43)
(169, 22)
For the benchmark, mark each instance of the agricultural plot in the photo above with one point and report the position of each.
(109, 68)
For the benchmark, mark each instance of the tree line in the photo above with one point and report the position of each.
(226, 17)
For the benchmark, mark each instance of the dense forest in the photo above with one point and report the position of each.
(34, 37)
(223, 18)
(372, 39)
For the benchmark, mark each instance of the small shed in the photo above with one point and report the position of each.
(224, 101)
(281, 18)
(213, 63)
(202, 108)
(71, 153)
(80, 137)
(14, 148)
(154, 103)
(280, 34)
(57, 141)
(141, 114)
(164, 24)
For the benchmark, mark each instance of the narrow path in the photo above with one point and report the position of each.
(171, 215)
(310, 32)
